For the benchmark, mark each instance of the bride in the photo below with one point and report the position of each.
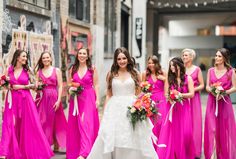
(117, 139)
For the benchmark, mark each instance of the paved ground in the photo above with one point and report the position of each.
(204, 100)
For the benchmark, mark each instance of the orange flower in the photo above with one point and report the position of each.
(75, 84)
(138, 104)
(216, 84)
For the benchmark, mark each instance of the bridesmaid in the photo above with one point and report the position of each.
(83, 121)
(156, 77)
(49, 104)
(195, 72)
(220, 129)
(22, 134)
(175, 140)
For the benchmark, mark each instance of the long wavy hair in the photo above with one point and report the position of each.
(115, 68)
(226, 56)
(157, 66)
(172, 76)
(76, 64)
(16, 55)
(40, 64)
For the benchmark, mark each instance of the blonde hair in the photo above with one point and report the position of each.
(190, 51)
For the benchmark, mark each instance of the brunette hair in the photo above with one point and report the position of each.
(157, 66)
(17, 54)
(115, 68)
(172, 76)
(76, 64)
(226, 56)
(40, 64)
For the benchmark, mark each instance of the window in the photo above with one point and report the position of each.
(39, 3)
(110, 26)
(80, 9)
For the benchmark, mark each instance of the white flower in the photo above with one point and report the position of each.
(71, 89)
(132, 110)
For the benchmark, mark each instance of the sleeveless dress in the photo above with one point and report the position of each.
(53, 122)
(175, 140)
(117, 139)
(22, 134)
(159, 97)
(220, 130)
(82, 126)
(196, 113)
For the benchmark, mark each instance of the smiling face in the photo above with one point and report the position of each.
(219, 59)
(172, 67)
(22, 59)
(186, 57)
(82, 55)
(122, 60)
(151, 65)
(46, 59)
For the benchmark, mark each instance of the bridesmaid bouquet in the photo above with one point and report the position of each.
(41, 85)
(142, 108)
(146, 87)
(75, 89)
(175, 96)
(217, 89)
(4, 81)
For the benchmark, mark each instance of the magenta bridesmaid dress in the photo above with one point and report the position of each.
(83, 124)
(22, 134)
(196, 113)
(159, 97)
(53, 122)
(220, 129)
(175, 140)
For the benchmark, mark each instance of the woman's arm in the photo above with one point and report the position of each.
(96, 86)
(201, 82)
(233, 88)
(60, 84)
(138, 90)
(108, 91)
(144, 76)
(190, 93)
(208, 88)
(59, 81)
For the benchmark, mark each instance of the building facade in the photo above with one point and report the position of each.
(39, 15)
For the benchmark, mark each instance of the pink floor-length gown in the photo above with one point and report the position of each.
(220, 130)
(159, 97)
(53, 122)
(22, 134)
(175, 140)
(82, 127)
(196, 113)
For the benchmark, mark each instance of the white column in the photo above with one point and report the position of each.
(163, 47)
(139, 11)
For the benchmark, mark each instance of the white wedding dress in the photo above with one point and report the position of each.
(116, 138)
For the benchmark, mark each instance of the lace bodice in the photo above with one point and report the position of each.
(123, 88)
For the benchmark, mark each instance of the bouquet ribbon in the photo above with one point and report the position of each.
(217, 104)
(76, 108)
(169, 114)
(9, 99)
(40, 97)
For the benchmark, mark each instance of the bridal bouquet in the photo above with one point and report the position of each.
(217, 89)
(75, 89)
(141, 109)
(175, 96)
(4, 81)
(146, 87)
